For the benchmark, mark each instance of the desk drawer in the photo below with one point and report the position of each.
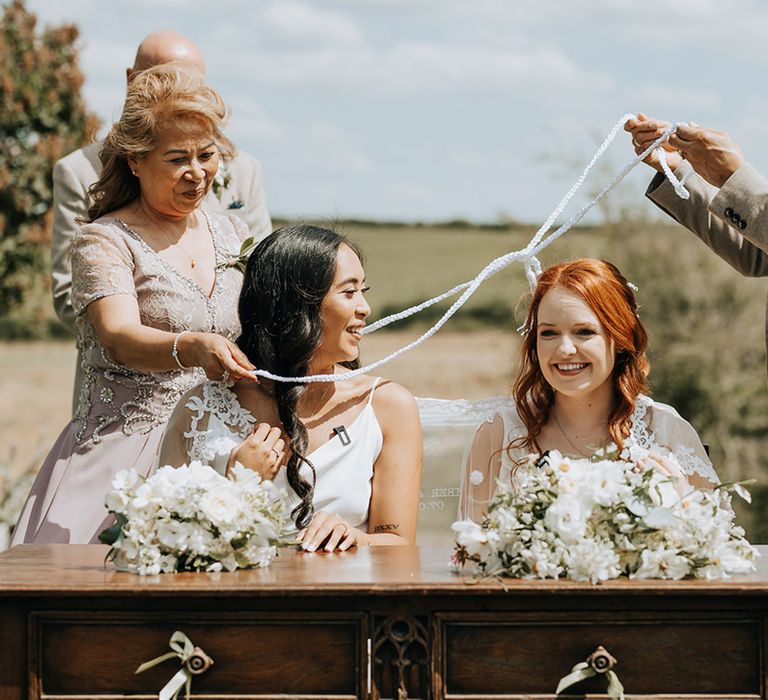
(510, 656)
(95, 655)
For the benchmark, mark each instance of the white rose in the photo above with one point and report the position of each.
(567, 517)
(173, 534)
(221, 504)
(606, 485)
(116, 501)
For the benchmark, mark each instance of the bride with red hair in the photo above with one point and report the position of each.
(583, 385)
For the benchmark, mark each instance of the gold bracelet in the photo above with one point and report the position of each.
(175, 351)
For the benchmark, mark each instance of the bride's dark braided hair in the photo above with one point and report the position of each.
(286, 279)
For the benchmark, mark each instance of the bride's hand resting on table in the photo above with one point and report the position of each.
(330, 531)
(262, 451)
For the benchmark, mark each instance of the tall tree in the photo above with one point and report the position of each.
(42, 118)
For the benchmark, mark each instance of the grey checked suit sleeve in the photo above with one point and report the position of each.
(69, 197)
(715, 215)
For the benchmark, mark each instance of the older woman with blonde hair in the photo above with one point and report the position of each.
(155, 293)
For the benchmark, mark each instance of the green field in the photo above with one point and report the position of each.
(705, 321)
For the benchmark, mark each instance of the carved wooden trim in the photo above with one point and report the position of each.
(400, 658)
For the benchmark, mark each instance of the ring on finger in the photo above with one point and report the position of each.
(276, 454)
(225, 376)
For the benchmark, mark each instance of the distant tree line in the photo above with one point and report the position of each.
(42, 118)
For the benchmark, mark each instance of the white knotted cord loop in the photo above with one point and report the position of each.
(532, 271)
(679, 185)
(526, 255)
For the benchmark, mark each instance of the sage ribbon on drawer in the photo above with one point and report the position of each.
(600, 662)
(194, 661)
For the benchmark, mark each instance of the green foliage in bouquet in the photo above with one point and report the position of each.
(601, 518)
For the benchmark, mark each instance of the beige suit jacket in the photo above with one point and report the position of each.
(732, 221)
(75, 173)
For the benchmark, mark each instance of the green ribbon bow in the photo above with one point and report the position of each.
(584, 670)
(184, 650)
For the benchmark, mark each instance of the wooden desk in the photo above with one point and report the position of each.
(71, 628)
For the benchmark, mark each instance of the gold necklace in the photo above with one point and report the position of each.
(193, 256)
(567, 439)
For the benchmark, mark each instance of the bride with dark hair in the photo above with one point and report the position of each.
(350, 452)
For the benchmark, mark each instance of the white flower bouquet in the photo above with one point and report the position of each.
(193, 519)
(600, 518)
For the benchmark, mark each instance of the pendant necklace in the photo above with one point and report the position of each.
(193, 256)
(565, 435)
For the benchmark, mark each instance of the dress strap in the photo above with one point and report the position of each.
(373, 388)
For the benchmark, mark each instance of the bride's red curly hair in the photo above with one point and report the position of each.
(606, 292)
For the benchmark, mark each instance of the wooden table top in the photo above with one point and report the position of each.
(79, 569)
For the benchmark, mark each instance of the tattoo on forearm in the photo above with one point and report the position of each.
(386, 528)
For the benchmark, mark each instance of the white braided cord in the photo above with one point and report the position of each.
(525, 255)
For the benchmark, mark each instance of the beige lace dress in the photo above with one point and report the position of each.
(122, 412)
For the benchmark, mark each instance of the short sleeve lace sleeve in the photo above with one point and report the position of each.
(102, 265)
(177, 443)
(672, 432)
(206, 425)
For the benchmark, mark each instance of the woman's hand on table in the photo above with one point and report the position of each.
(218, 357)
(329, 532)
(262, 451)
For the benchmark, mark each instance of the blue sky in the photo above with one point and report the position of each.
(435, 109)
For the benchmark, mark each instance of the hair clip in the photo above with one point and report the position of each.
(341, 431)
(633, 287)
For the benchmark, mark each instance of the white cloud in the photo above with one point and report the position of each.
(420, 66)
(415, 107)
(303, 23)
(687, 102)
(250, 120)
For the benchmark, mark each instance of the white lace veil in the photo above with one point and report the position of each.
(449, 428)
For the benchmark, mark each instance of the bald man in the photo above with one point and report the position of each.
(241, 194)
